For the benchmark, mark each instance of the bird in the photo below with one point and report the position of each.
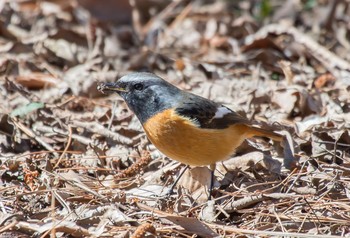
(183, 126)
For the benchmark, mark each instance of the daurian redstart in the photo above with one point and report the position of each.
(185, 127)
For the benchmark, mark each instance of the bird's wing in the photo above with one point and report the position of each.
(208, 114)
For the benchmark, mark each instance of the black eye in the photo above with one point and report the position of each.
(138, 86)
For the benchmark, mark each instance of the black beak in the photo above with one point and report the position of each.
(110, 88)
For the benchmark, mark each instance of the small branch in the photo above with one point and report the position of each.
(248, 201)
(47, 129)
(31, 134)
(99, 129)
(66, 148)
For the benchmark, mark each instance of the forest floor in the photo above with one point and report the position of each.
(77, 163)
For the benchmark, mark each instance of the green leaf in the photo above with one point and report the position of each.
(266, 8)
(26, 109)
(310, 4)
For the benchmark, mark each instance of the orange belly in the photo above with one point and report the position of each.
(181, 140)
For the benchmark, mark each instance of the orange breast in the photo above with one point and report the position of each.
(181, 140)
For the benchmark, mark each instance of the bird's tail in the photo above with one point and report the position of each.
(253, 131)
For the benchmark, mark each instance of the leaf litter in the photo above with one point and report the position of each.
(75, 162)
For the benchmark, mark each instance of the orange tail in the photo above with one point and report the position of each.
(254, 131)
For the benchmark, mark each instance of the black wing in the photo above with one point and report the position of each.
(208, 114)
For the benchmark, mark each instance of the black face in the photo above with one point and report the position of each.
(146, 94)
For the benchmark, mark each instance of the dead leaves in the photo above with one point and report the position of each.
(75, 162)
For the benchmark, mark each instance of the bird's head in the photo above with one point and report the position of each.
(145, 93)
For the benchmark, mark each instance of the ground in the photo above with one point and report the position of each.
(76, 162)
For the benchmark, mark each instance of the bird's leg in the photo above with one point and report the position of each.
(210, 190)
(171, 190)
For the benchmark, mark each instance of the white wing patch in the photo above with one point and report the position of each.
(221, 112)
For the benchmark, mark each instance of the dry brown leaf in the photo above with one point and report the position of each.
(285, 99)
(192, 225)
(37, 80)
(110, 11)
(286, 67)
(227, 51)
(256, 160)
(324, 80)
(196, 181)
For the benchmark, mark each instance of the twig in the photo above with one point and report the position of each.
(31, 134)
(47, 129)
(242, 203)
(248, 201)
(114, 107)
(302, 224)
(53, 204)
(66, 148)
(180, 17)
(232, 229)
(160, 16)
(313, 212)
(268, 233)
(8, 226)
(278, 219)
(296, 179)
(99, 129)
(64, 226)
(335, 166)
